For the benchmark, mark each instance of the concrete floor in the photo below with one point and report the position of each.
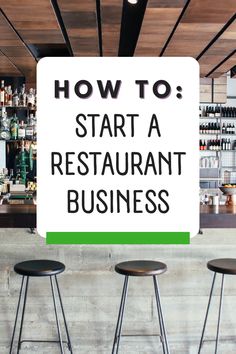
(91, 293)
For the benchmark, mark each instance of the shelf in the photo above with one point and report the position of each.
(218, 150)
(19, 107)
(212, 134)
(229, 135)
(18, 140)
(217, 117)
(228, 166)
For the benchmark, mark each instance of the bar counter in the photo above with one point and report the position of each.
(18, 216)
(24, 216)
(221, 216)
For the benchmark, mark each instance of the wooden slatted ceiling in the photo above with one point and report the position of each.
(159, 19)
(34, 20)
(36, 23)
(80, 20)
(111, 12)
(14, 49)
(7, 68)
(225, 67)
(202, 20)
(223, 46)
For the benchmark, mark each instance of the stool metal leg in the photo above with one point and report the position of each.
(116, 342)
(64, 317)
(57, 319)
(23, 315)
(165, 346)
(219, 315)
(207, 312)
(17, 313)
(160, 322)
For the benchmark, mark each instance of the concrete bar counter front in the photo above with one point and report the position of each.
(91, 292)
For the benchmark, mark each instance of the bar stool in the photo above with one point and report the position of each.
(140, 268)
(222, 266)
(40, 268)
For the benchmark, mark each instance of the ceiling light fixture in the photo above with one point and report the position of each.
(133, 2)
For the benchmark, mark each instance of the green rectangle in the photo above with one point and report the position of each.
(113, 238)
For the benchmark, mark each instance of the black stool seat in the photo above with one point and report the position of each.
(39, 268)
(223, 265)
(141, 268)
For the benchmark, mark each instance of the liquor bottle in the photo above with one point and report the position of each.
(31, 99)
(34, 120)
(5, 126)
(233, 129)
(29, 130)
(14, 128)
(2, 93)
(21, 131)
(15, 98)
(5, 96)
(22, 96)
(9, 103)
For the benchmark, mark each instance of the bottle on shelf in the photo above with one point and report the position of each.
(217, 111)
(29, 130)
(22, 96)
(15, 98)
(2, 93)
(21, 131)
(5, 125)
(9, 96)
(31, 99)
(14, 128)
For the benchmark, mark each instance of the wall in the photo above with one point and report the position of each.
(91, 293)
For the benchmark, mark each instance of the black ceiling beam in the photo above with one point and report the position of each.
(131, 23)
(62, 26)
(99, 24)
(233, 72)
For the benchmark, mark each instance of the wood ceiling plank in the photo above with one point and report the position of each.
(202, 20)
(220, 49)
(80, 19)
(111, 12)
(225, 67)
(35, 21)
(13, 48)
(7, 68)
(159, 19)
